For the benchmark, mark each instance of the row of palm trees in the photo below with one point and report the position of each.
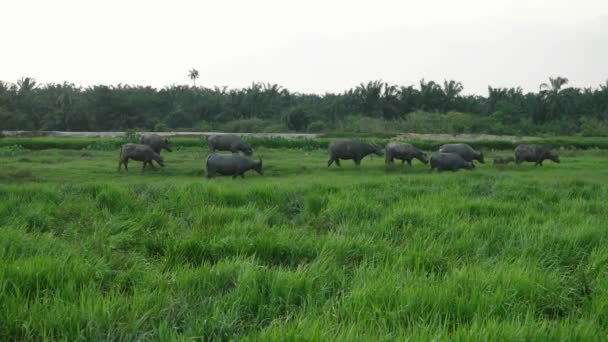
(27, 104)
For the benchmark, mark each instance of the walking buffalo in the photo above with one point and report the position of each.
(156, 142)
(139, 152)
(465, 151)
(403, 152)
(534, 153)
(351, 149)
(449, 161)
(228, 142)
(231, 165)
(503, 160)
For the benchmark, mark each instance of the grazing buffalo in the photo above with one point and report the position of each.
(403, 152)
(465, 151)
(449, 161)
(139, 152)
(351, 149)
(534, 153)
(228, 142)
(156, 142)
(503, 160)
(231, 165)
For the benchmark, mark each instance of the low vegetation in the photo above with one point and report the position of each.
(378, 252)
(15, 145)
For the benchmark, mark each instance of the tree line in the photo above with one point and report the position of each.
(376, 106)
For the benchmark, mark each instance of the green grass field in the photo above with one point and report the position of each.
(304, 252)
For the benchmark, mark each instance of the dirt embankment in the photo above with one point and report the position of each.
(463, 137)
(403, 136)
(164, 134)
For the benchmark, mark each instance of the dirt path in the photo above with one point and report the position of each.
(164, 134)
(403, 136)
(463, 137)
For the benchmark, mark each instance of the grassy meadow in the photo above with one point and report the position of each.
(304, 252)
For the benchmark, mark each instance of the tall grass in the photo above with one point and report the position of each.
(304, 252)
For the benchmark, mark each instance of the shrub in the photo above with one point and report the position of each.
(161, 127)
(591, 127)
(245, 125)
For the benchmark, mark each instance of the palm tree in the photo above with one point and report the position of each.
(193, 74)
(431, 95)
(370, 96)
(555, 84)
(452, 89)
(550, 94)
(26, 84)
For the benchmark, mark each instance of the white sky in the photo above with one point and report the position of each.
(306, 46)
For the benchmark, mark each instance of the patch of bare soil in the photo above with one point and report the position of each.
(463, 137)
(403, 136)
(164, 134)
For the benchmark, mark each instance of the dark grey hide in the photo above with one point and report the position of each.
(228, 142)
(449, 162)
(156, 142)
(403, 152)
(534, 153)
(503, 160)
(139, 152)
(231, 165)
(465, 151)
(351, 149)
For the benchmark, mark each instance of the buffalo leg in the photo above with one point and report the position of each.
(329, 162)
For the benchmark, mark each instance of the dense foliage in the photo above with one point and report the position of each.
(373, 107)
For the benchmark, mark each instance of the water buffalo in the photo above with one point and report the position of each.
(228, 142)
(231, 165)
(465, 151)
(403, 152)
(503, 160)
(156, 142)
(449, 161)
(534, 153)
(139, 152)
(350, 149)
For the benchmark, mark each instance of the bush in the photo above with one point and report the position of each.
(592, 127)
(297, 119)
(12, 150)
(202, 126)
(161, 127)
(317, 127)
(368, 125)
(245, 125)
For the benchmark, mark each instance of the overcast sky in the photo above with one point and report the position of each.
(306, 46)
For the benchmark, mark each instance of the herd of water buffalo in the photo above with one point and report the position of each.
(449, 157)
